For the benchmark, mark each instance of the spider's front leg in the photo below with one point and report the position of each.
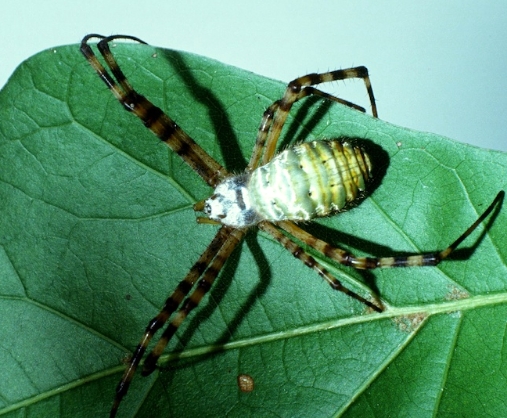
(154, 118)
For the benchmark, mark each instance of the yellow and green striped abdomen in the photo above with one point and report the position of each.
(310, 180)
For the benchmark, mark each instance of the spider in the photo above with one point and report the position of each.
(275, 191)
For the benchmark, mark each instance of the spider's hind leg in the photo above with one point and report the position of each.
(234, 237)
(298, 252)
(200, 278)
(431, 258)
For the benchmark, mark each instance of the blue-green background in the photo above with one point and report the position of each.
(436, 66)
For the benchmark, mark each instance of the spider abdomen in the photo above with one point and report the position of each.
(309, 180)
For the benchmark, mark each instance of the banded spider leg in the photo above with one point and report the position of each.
(152, 116)
(201, 276)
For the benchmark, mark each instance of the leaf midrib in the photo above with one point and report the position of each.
(427, 310)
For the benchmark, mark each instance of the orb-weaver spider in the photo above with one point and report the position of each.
(309, 180)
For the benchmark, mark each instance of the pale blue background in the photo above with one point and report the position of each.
(435, 66)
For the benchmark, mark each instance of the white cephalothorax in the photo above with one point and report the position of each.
(231, 203)
(309, 180)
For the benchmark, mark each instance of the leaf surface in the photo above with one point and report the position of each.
(97, 228)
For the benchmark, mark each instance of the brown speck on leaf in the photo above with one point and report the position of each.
(245, 383)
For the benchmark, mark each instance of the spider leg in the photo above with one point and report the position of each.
(417, 260)
(270, 112)
(203, 286)
(298, 252)
(209, 264)
(275, 116)
(153, 117)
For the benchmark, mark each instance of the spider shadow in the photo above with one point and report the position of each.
(215, 297)
(465, 253)
(217, 114)
(306, 118)
(234, 162)
(304, 122)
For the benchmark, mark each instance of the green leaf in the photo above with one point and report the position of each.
(97, 227)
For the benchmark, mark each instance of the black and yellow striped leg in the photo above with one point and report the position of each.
(207, 267)
(417, 260)
(203, 286)
(269, 115)
(275, 116)
(298, 252)
(153, 117)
